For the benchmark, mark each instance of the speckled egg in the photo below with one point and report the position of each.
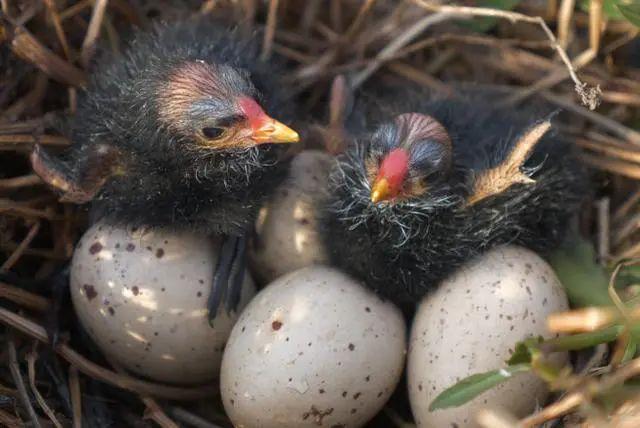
(142, 297)
(287, 228)
(314, 348)
(470, 325)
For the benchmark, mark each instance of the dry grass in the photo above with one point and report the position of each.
(550, 50)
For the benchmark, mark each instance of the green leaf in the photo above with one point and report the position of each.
(631, 12)
(484, 24)
(579, 341)
(583, 279)
(628, 275)
(469, 388)
(609, 8)
(523, 353)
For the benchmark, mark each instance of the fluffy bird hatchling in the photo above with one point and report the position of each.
(426, 184)
(172, 134)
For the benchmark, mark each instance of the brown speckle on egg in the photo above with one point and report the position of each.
(90, 291)
(95, 248)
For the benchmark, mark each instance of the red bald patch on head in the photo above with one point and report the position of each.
(254, 113)
(394, 169)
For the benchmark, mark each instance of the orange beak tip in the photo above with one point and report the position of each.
(380, 191)
(275, 132)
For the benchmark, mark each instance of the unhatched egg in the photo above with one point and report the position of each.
(142, 297)
(470, 325)
(314, 348)
(287, 227)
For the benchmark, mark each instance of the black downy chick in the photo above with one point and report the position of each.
(170, 134)
(439, 181)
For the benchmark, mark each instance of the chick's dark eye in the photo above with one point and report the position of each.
(212, 132)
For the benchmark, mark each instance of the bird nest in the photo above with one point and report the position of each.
(583, 60)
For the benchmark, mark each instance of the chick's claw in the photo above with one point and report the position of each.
(228, 277)
(239, 263)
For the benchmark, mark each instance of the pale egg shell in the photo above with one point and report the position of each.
(314, 348)
(470, 325)
(142, 297)
(287, 235)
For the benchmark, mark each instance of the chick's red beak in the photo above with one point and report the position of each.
(265, 129)
(391, 175)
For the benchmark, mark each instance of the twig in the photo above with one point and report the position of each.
(36, 252)
(32, 98)
(621, 41)
(607, 123)
(626, 229)
(335, 15)
(583, 320)
(153, 410)
(75, 9)
(626, 206)
(595, 23)
(8, 420)
(10, 207)
(19, 251)
(398, 43)
(18, 182)
(624, 98)
(30, 126)
(190, 419)
(89, 43)
(14, 367)
(552, 79)
(102, 374)
(270, 30)
(4, 390)
(633, 251)
(625, 169)
(112, 35)
(288, 52)
(357, 22)
(26, 46)
(564, 22)
(46, 140)
(630, 154)
(309, 15)
(155, 413)
(31, 369)
(75, 396)
(589, 96)
(57, 24)
(420, 77)
(559, 408)
(583, 394)
(472, 40)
